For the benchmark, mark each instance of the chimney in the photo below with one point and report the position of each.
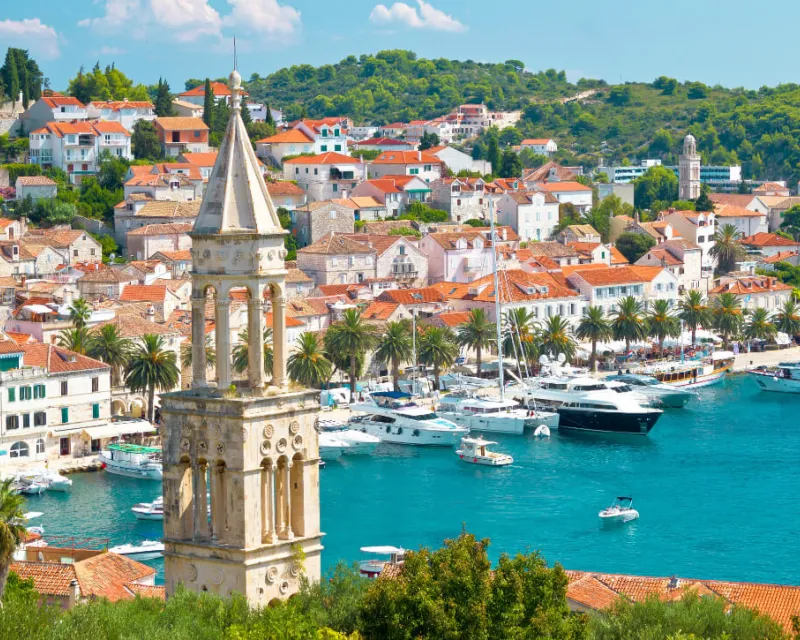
(150, 314)
(74, 594)
(419, 156)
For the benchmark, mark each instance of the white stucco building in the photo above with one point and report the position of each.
(532, 214)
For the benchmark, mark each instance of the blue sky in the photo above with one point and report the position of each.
(707, 40)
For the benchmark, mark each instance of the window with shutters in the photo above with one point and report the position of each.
(64, 415)
(12, 394)
(12, 422)
(95, 411)
(39, 419)
(26, 420)
(95, 385)
(64, 388)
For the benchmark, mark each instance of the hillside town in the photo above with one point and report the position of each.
(337, 277)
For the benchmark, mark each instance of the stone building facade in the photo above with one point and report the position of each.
(316, 220)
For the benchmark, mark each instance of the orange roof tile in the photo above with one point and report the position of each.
(380, 310)
(535, 141)
(412, 296)
(144, 293)
(49, 578)
(61, 101)
(780, 257)
(296, 136)
(751, 284)
(769, 240)
(184, 255)
(617, 257)
(117, 105)
(406, 157)
(559, 187)
(200, 159)
(161, 229)
(334, 289)
(610, 275)
(330, 157)
(57, 360)
(110, 127)
(284, 188)
(217, 88)
(291, 321)
(107, 574)
(452, 318)
(148, 590)
(734, 211)
(181, 124)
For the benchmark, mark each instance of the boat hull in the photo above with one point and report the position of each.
(420, 437)
(509, 425)
(331, 452)
(59, 486)
(775, 384)
(607, 422)
(498, 462)
(147, 473)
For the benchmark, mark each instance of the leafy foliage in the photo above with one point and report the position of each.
(594, 326)
(438, 348)
(105, 84)
(395, 347)
(476, 333)
(20, 73)
(151, 367)
(634, 245)
(144, 141)
(307, 364)
(423, 213)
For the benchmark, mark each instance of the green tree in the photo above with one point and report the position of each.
(696, 91)
(556, 338)
(163, 102)
(658, 184)
(493, 150)
(600, 215)
(787, 319)
(594, 326)
(703, 203)
(151, 367)
(307, 364)
(12, 528)
(79, 313)
(187, 354)
(395, 346)
(666, 85)
(662, 144)
(727, 249)
(145, 142)
(108, 345)
(476, 333)
(759, 326)
(208, 105)
(510, 164)
(694, 311)
(790, 221)
(10, 75)
(75, 339)
(427, 141)
(111, 171)
(629, 322)
(727, 315)
(519, 328)
(437, 348)
(662, 324)
(241, 354)
(351, 336)
(634, 245)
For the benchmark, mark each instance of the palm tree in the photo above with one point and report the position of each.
(728, 317)
(523, 322)
(76, 339)
(556, 337)
(307, 364)
(152, 367)
(395, 347)
(186, 354)
(476, 333)
(352, 336)
(595, 327)
(241, 353)
(12, 529)
(438, 348)
(629, 322)
(661, 324)
(79, 313)
(727, 249)
(787, 319)
(759, 326)
(106, 344)
(694, 311)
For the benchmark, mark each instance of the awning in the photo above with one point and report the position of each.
(116, 429)
(38, 308)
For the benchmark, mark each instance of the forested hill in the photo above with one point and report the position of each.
(758, 129)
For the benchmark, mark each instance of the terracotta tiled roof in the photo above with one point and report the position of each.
(116, 105)
(552, 250)
(148, 590)
(380, 310)
(384, 142)
(145, 266)
(770, 186)
(406, 157)
(57, 360)
(452, 318)
(217, 88)
(59, 238)
(168, 209)
(563, 187)
(291, 135)
(112, 276)
(336, 244)
(159, 180)
(144, 293)
(412, 296)
(35, 181)
(647, 273)
(380, 243)
(291, 321)
(107, 574)
(584, 248)
(6, 222)
(660, 255)
(20, 338)
(735, 199)
(296, 276)
(535, 141)
(769, 240)
(610, 275)
(200, 159)
(161, 229)
(334, 289)
(779, 257)
(181, 124)
(734, 211)
(526, 197)
(542, 173)
(49, 578)
(582, 230)
(110, 127)
(61, 101)
(184, 255)
(517, 285)
(330, 157)
(751, 284)
(132, 325)
(284, 188)
(590, 592)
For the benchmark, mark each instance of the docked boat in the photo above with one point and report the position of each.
(359, 443)
(30, 487)
(593, 406)
(132, 461)
(494, 416)
(331, 447)
(620, 511)
(147, 550)
(658, 393)
(476, 451)
(690, 373)
(149, 510)
(392, 417)
(784, 378)
(374, 567)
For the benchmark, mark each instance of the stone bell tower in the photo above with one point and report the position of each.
(689, 170)
(241, 474)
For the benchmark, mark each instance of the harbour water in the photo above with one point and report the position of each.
(716, 484)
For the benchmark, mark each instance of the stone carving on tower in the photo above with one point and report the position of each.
(689, 170)
(241, 457)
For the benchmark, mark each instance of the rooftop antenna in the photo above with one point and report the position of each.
(235, 61)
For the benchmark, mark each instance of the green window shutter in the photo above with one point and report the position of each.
(64, 415)
(12, 394)
(95, 411)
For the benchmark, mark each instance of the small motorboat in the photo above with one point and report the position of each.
(147, 550)
(475, 451)
(31, 487)
(620, 511)
(331, 447)
(149, 510)
(359, 443)
(542, 431)
(57, 482)
(372, 568)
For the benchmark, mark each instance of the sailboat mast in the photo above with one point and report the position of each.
(497, 306)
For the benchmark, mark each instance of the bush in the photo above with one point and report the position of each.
(634, 245)
(405, 231)
(424, 213)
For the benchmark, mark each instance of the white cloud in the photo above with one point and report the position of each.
(117, 14)
(427, 17)
(264, 16)
(111, 51)
(189, 19)
(32, 34)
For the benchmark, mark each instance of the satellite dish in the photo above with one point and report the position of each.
(561, 358)
(543, 359)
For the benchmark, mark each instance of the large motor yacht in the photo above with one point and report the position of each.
(658, 393)
(392, 417)
(495, 416)
(133, 461)
(785, 378)
(586, 404)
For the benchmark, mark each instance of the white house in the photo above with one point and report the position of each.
(769, 244)
(76, 147)
(754, 292)
(577, 194)
(127, 113)
(456, 160)
(325, 176)
(540, 146)
(53, 108)
(464, 255)
(532, 214)
(684, 259)
(422, 164)
(606, 286)
(197, 95)
(747, 222)
(395, 192)
(35, 187)
(698, 227)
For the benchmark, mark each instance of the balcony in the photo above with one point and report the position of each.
(405, 274)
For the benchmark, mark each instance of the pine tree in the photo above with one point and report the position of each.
(22, 71)
(268, 119)
(11, 75)
(163, 102)
(208, 105)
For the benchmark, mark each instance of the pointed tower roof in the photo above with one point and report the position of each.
(236, 199)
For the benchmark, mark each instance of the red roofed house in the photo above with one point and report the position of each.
(463, 198)
(532, 214)
(325, 176)
(747, 222)
(286, 194)
(196, 95)
(575, 193)
(540, 146)
(285, 143)
(75, 147)
(337, 259)
(181, 135)
(754, 292)
(770, 243)
(178, 262)
(145, 241)
(696, 226)
(396, 192)
(53, 108)
(422, 164)
(163, 300)
(683, 259)
(35, 187)
(464, 255)
(126, 112)
(768, 264)
(605, 287)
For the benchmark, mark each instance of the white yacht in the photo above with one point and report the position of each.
(149, 510)
(133, 461)
(593, 406)
(785, 378)
(147, 550)
(495, 416)
(331, 447)
(476, 451)
(390, 416)
(620, 511)
(372, 568)
(358, 442)
(658, 393)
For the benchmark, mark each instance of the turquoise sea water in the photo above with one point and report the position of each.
(716, 484)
